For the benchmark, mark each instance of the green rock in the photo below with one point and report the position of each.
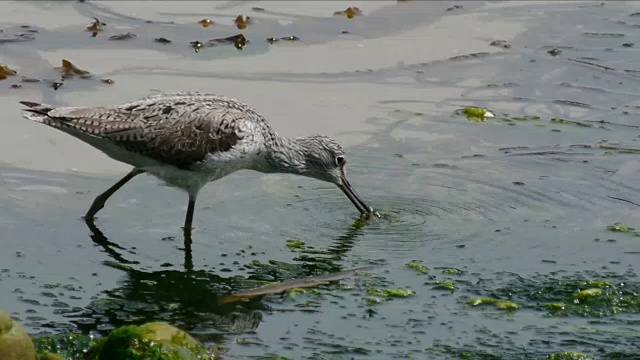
(151, 341)
(15, 343)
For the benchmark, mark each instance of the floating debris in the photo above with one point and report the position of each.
(292, 284)
(500, 43)
(445, 285)
(162, 40)
(349, 12)
(20, 37)
(95, 27)
(68, 70)
(206, 23)
(619, 227)
(630, 44)
(499, 304)
(5, 72)
(563, 121)
(455, 7)
(15, 86)
(196, 45)
(391, 292)
(30, 80)
(554, 52)
(620, 150)
(295, 244)
(291, 38)
(242, 21)
(126, 36)
(239, 41)
(107, 81)
(603, 35)
(475, 113)
(56, 85)
(586, 294)
(417, 266)
(257, 9)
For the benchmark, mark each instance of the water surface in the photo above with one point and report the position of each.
(519, 203)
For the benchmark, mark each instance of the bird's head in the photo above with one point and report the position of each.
(321, 158)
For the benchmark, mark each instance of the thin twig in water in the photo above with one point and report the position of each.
(625, 200)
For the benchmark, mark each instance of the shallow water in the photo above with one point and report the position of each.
(520, 205)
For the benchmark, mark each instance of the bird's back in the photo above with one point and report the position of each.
(178, 129)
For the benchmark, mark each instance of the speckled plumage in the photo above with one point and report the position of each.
(189, 139)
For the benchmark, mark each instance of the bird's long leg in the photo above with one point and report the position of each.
(98, 202)
(190, 208)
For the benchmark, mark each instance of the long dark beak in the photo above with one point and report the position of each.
(353, 196)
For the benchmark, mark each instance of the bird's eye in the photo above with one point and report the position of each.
(340, 160)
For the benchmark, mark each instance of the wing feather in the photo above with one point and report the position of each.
(178, 129)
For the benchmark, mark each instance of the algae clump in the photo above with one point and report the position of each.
(568, 355)
(391, 292)
(499, 304)
(475, 113)
(619, 227)
(417, 266)
(587, 294)
(445, 285)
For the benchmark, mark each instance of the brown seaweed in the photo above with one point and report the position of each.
(95, 27)
(349, 12)
(68, 70)
(242, 21)
(5, 72)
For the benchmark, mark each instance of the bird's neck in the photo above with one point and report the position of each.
(285, 155)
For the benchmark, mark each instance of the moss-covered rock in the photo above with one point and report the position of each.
(151, 341)
(50, 356)
(15, 343)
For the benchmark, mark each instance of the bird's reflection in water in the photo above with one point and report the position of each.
(189, 298)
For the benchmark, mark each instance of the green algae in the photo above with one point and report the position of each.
(69, 346)
(476, 114)
(568, 355)
(295, 244)
(498, 304)
(586, 294)
(372, 300)
(570, 296)
(417, 266)
(452, 271)
(445, 285)
(553, 307)
(391, 292)
(619, 227)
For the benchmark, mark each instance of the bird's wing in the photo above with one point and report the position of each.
(177, 129)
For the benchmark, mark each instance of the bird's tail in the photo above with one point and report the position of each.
(37, 112)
